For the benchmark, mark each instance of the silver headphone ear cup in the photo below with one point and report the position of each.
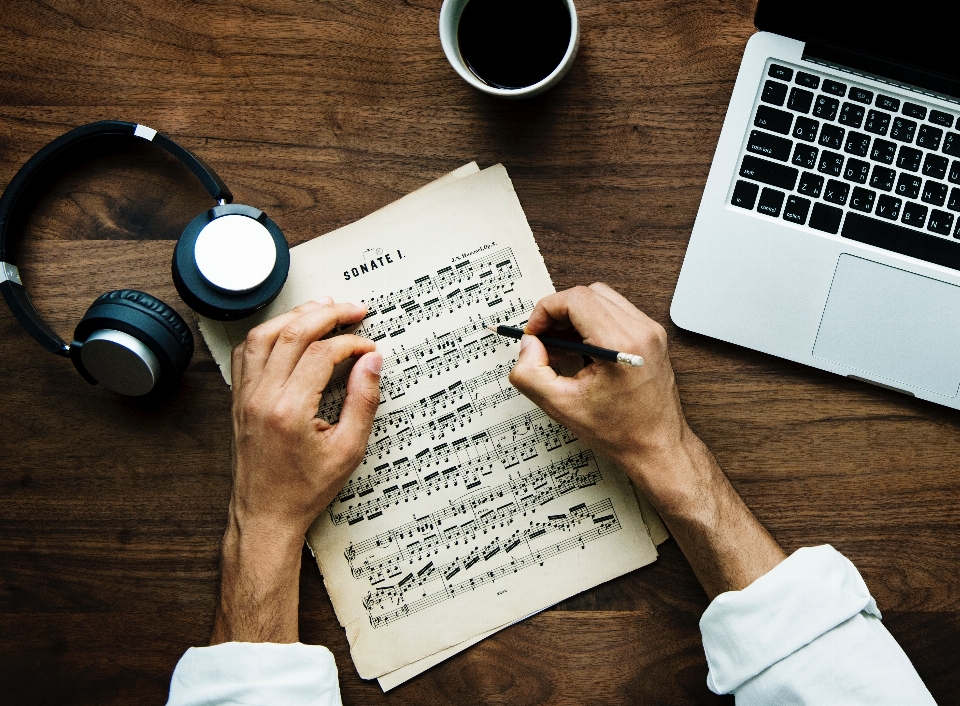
(120, 362)
(132, 343)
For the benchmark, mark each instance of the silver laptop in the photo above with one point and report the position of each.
(829, 230)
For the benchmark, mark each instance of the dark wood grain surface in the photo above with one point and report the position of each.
(320, 111)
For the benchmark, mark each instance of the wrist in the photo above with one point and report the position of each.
(681, 477)
(268, 544)
(259, 584)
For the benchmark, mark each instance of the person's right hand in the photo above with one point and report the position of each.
(633, 417)
(630, 415)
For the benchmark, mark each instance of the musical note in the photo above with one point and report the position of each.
(388, 604)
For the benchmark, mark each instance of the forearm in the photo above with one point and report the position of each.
(724, 543)
(259, 586)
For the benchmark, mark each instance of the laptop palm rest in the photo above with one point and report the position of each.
(892, 324)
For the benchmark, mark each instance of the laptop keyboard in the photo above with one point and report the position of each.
(879, 168)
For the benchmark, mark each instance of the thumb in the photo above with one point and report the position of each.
(360, 405)
(533, 376)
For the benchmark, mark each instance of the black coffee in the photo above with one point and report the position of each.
(513, 43)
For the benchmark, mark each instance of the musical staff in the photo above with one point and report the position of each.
(395, 565)
(437, 355)
(475, 513)
(476, 279)
(465, 460)
(387, 604)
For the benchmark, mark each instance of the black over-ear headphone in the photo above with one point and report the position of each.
(229, 262)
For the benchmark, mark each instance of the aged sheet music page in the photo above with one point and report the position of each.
(472, 509)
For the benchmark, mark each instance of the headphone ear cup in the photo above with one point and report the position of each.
(132, 343)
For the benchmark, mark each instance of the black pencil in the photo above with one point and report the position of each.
(582, 348)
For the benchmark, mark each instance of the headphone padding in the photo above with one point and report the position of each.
(175, 323)
(157, 325)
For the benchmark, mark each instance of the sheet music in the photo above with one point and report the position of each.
(472, 508)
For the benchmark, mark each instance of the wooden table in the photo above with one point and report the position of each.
(320, 111)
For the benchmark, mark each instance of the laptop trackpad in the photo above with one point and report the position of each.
(892, 324)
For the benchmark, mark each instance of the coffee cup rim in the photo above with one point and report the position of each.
(449, 23)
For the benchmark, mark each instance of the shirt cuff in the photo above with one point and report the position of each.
(255, 673)
(806, 595)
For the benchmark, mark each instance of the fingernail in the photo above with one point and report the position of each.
(525, 341)
(324, 300)
(374, 363)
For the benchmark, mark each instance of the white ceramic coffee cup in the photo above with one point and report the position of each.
(449, 21)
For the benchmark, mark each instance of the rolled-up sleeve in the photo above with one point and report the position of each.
(807, 632)
(255, 673)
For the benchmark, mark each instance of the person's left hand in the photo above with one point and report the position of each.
(288, 464)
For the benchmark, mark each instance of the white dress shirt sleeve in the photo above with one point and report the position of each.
(255, 674)
(807, 632)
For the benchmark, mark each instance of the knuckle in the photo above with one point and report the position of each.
(279, 417)
(254, 337)
(661, 333)
(319, 349)
(251, 408)
(291, 333)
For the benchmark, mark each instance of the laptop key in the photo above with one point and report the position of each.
(897, 238)
(805, 129)
(888, 103)
(954, 176)
(882, 178)
(929, 137)
(934, 192)
(808, 80)
(856, 171)
(796, 210)
(877, 122)
(941, 118)
(914, 110)
(940, 222)
(774, 92)
(909, 159)
(780, 72)
(830, 163)
(805, 156)
(811, 185)
(954, 203)
(857, 143)
(800, 100)
(861, 96)
(914, 214)
(771, 201)
(745, 194)
(908, 186)
(888, 207)
(851, 114)
(882, 151)
(935, 166)
(903, 130)
(832, 136)
(836, 192)
(862, 199)
(951, 144)
(773, 120)
(768, 172)
(826, 218)
(769, 145)
(826, 107)
(835, 88)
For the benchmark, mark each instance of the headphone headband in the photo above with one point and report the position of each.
(10, 285)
